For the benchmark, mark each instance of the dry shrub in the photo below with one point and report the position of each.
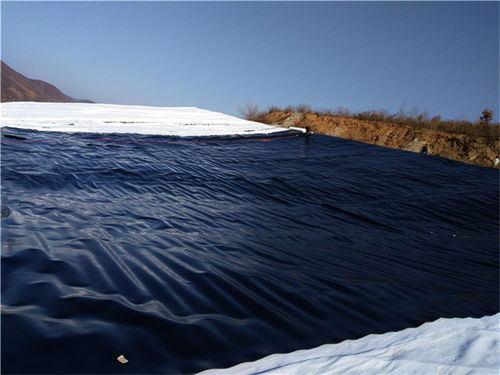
(249, 112)
(303, 108)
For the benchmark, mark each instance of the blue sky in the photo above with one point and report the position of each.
(433, 56)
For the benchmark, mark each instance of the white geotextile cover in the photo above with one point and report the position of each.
(111, 118)
(445, 346)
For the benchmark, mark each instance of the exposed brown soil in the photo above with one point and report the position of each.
(466, 148)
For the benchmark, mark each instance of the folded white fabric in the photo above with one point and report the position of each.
(445, 346)
(111, 118)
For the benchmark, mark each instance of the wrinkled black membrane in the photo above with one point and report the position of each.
(187, 256)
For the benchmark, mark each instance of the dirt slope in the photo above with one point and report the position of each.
(461, 147)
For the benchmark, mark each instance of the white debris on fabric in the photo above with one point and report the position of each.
(110, 118)
(121, 358)
(445, 346)
(303, 130)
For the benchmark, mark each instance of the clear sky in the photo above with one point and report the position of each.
(435, 56)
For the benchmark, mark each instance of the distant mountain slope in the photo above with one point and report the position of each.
(16, 87)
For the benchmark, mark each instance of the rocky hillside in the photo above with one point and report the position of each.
(17, 87)
(466, 148)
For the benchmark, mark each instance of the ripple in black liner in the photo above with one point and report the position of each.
(187, 256)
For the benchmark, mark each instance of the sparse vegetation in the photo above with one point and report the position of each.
(250, 111)
(486, 117)
(482, 128)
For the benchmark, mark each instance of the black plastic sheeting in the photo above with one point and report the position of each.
(188, 254)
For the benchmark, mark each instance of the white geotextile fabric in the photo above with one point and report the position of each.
(111, 118)
(446, 346)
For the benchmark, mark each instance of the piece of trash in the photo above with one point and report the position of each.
(121, 358)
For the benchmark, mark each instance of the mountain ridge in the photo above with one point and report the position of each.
(17, 87)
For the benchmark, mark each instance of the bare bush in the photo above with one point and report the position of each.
(342, 111)
(303, 108)
(486, 117)
(249, 112)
